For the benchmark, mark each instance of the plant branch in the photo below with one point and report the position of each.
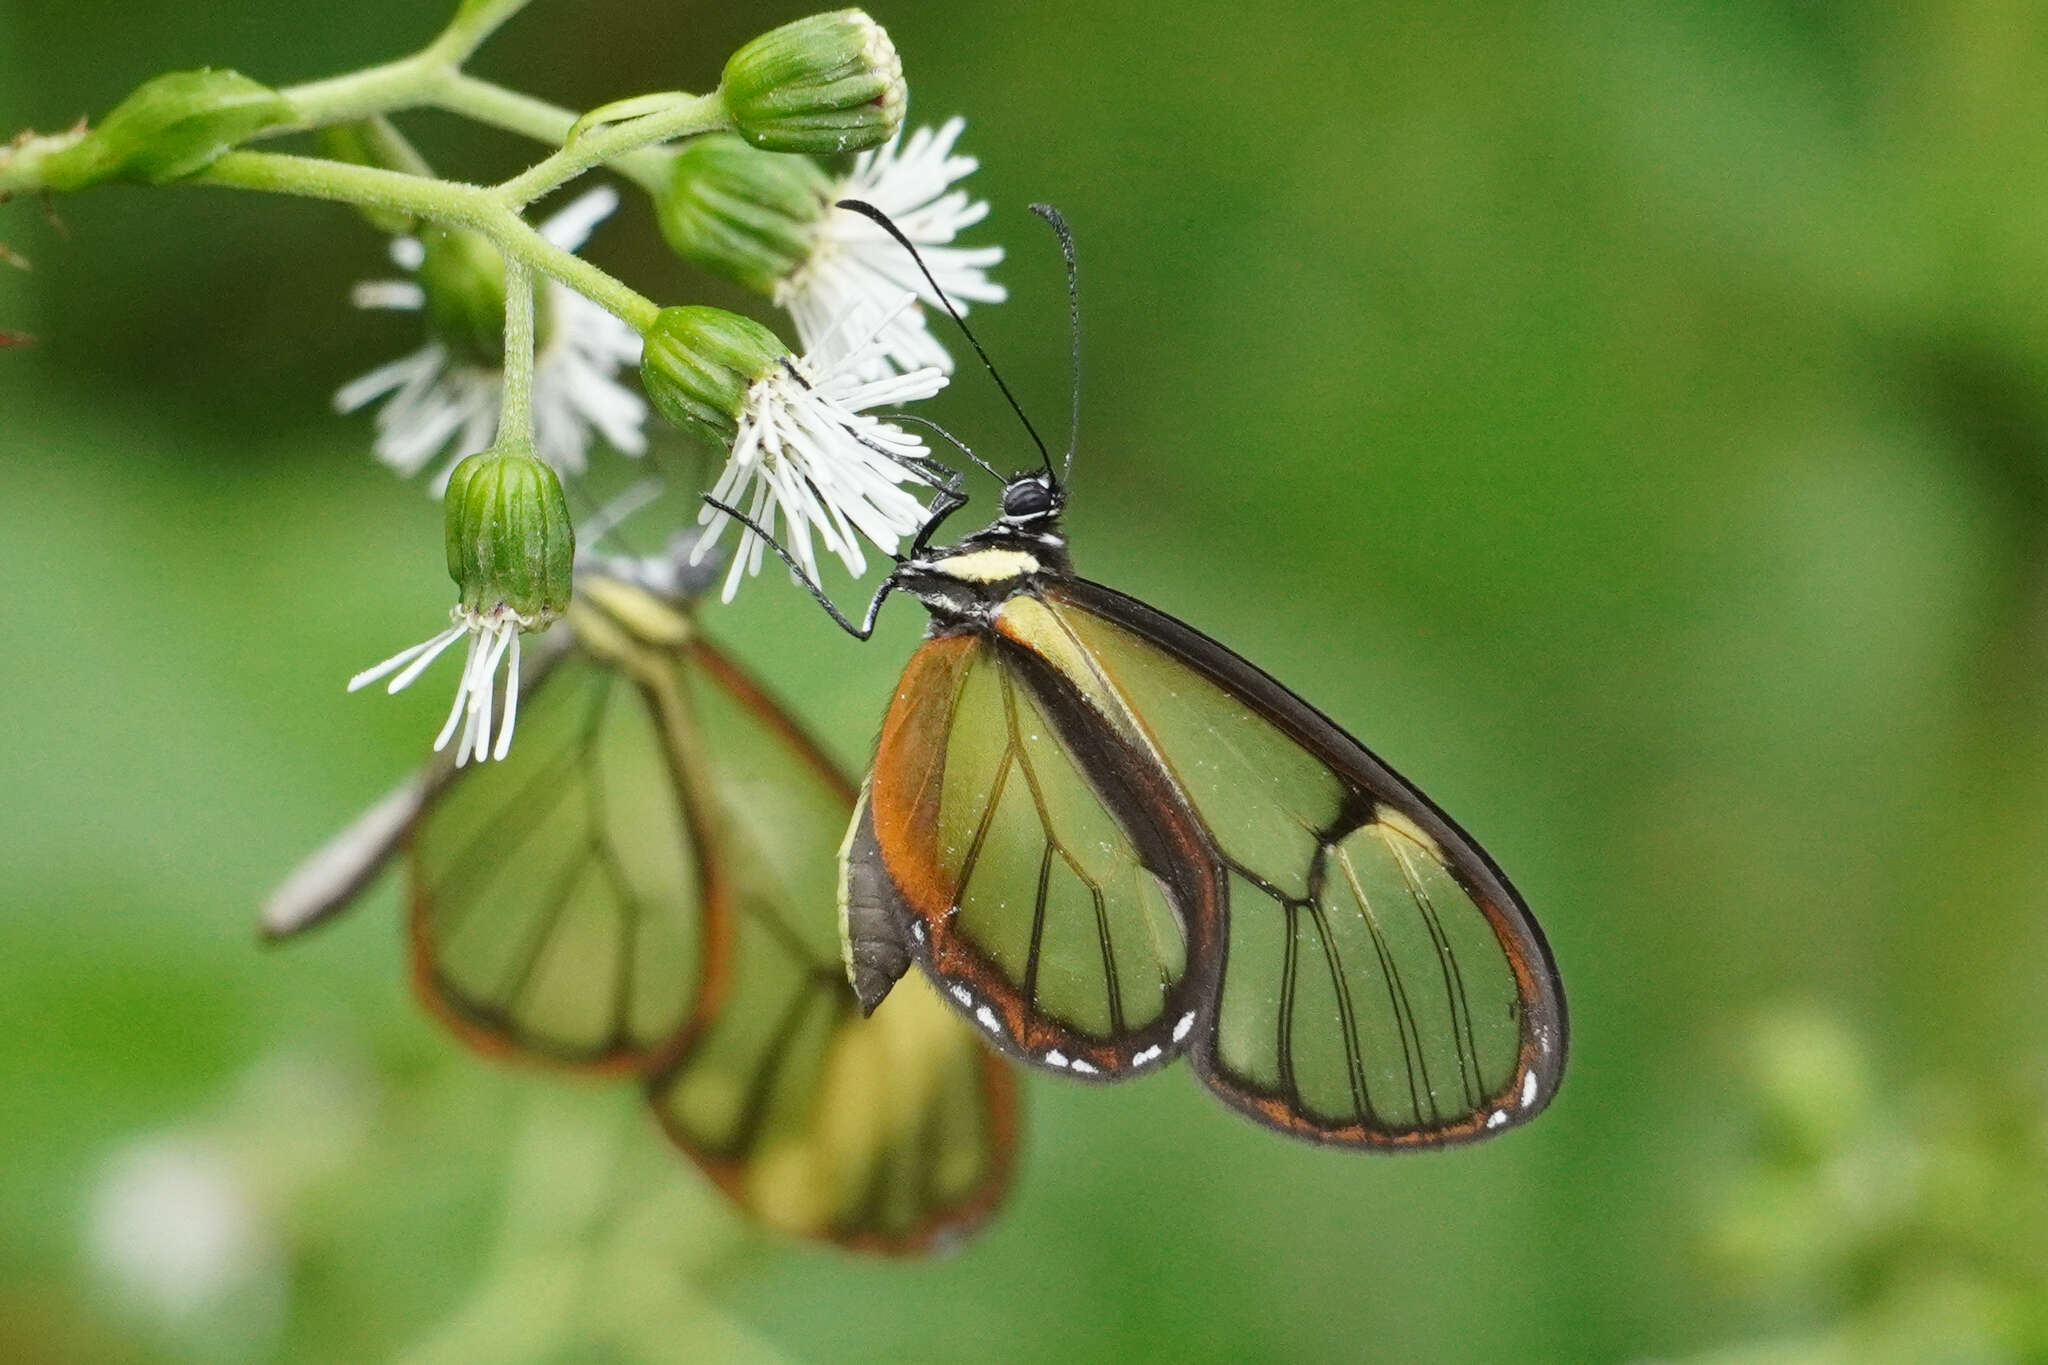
(474, 21)
(490, 103)
(440, 201)
(515, 412)
(689, 116)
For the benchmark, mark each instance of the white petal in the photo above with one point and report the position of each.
(571, 227)
(511, 702)
(402, 295)
(385, 378)
(430, 648)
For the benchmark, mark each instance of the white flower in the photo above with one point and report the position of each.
(854, 262)
(811, 453)
(443, 404)
(493, 639)
(174, 1226)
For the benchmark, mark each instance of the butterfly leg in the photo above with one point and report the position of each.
(866, 628)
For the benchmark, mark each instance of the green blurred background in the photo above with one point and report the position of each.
(1631, 418)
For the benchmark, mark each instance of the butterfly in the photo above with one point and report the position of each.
(1110, 841)
(644, 886)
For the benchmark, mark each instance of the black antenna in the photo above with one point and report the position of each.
(951, 440)
(1066, 235)
(883, 221)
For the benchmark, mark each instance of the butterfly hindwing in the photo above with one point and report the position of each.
(887, 1132)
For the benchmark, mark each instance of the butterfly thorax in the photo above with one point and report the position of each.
(963, 584)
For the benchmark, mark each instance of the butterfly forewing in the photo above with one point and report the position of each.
(1040, 859)
(560, 907)
(887, 1132)
(1382, 983)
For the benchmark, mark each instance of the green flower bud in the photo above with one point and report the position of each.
(173, 126)
(697, 363)
(829, 83)
(510, 541)
(748, 215)
(463, 277)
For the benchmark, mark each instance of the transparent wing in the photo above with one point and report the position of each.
(889, 1132)
(1382, 983)
(561, 908)
(1038, 861)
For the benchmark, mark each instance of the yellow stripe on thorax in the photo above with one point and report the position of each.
(988, 566)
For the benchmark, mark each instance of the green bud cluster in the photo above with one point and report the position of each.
(697, 364)
(510, 540)
(829, 83)
(742, 213)
(173, 126)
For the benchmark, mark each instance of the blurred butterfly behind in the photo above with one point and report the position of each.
(644, 886)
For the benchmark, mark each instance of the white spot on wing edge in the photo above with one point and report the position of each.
(1082, 1068)
(962, 994)
(1150, 1054)
(988, 1019)
(1180, 1030)
(1528, 1088)
(1056, 1058)
(1496, 1118)
(917, 930)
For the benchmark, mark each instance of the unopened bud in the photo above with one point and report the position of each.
(829, 83)
(510, 540)
(746, 214)
(463, 277)
(173, 126)
(697, 364)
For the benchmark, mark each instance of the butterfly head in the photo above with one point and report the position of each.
(1032, 502)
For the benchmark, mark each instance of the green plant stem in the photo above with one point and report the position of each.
(21, 161)
(703, 114)
(433, 77)
(361, 94)
(515, 411)
(488, 102)
(440, 201)
(474, 21)
(408, 81)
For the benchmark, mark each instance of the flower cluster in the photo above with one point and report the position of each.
(810, 460)
(443, 399)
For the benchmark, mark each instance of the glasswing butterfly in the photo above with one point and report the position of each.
(1110, 841)
(644, 886)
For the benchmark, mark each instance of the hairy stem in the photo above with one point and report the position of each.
(440, 201)
(515, 411)
(703, 114)
(474, 21)
(488, 102)
(361, 94)
(21, 161)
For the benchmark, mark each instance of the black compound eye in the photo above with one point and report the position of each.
(1027, 498)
